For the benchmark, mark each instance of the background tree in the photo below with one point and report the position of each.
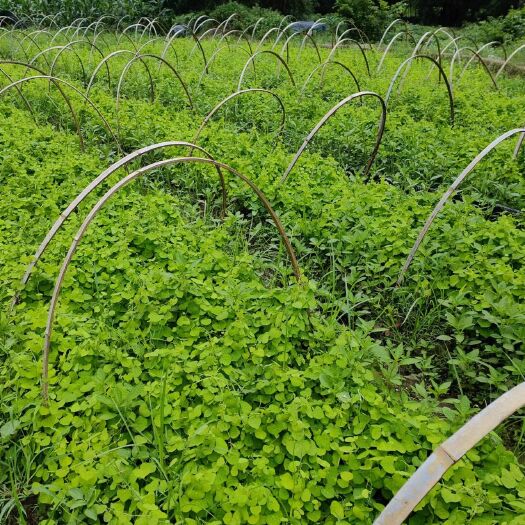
(455, 12)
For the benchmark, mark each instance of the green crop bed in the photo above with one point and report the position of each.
(193, 376)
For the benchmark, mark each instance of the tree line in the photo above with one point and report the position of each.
(440, 12)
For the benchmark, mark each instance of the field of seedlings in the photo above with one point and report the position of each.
(257, 276)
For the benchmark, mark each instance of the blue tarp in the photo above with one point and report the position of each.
(305, 25)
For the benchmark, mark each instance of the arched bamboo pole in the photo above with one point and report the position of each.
(109, 57)
(315, 24)
(480, 60)
(235, 95)
(443, 75)
(390, 26)
(57, 81)
(310, 37)
(225, 24)
(69, 46)
(169, 44)
(162, 61)
(494, 43)
(241, 36)
(323, 66)
(17, 40)
(286, 48)
(95, 183)
(150, 26)
(59, 33)
(100, 204)
(129, 39)
(146, 44)
(511, 56)
(328, 115)
(43, 52)
(518, 145)
(198, 27)
(214, 56)
(209, 32)
(32, 40)
(283, 21)
(448, 454)
(268, 52)
(281, 34)
(452, 188)
(387, 49)
(135, 26)
(120, 21)
(100, 36)
(247, 29)
(342, 41)
(203, 54)
(255, 26)
(22, 96)
(60, 50)
(265, 36)
(426, 37)
(362, 35)
(451, 38)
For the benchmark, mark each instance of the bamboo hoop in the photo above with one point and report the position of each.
(234, 95)
(443, 75)
(452, 188)
(100, 204)
(328, 115)
(448, 454)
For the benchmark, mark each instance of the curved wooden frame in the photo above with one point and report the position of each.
(109, 57)
(362, 35)
(511, 56)
(424, 43)
(94, 184)
(225, 23)
(215, 54)
(22, 96)
(475, 54)
(339, 42)
(492, 44)
(452, 188)
(324, 65)
(387, 49)
(255, 26)
(199, 45)
(327, 116)
(265, 52)
(391, 25)
(32, 41)
(281, 33)
(129, 39)
(169, 44)
(163, 61)
(69, 46)
(234, 95)
(12, 35)
(286, 46)
(441, 71)
(61, 91)
(449, 453)
(264, 37)
(57, 81)
(100, 204)
(60, 51)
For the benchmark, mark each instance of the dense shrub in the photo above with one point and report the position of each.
(246, 16)
(502, 29)
(372, 16)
